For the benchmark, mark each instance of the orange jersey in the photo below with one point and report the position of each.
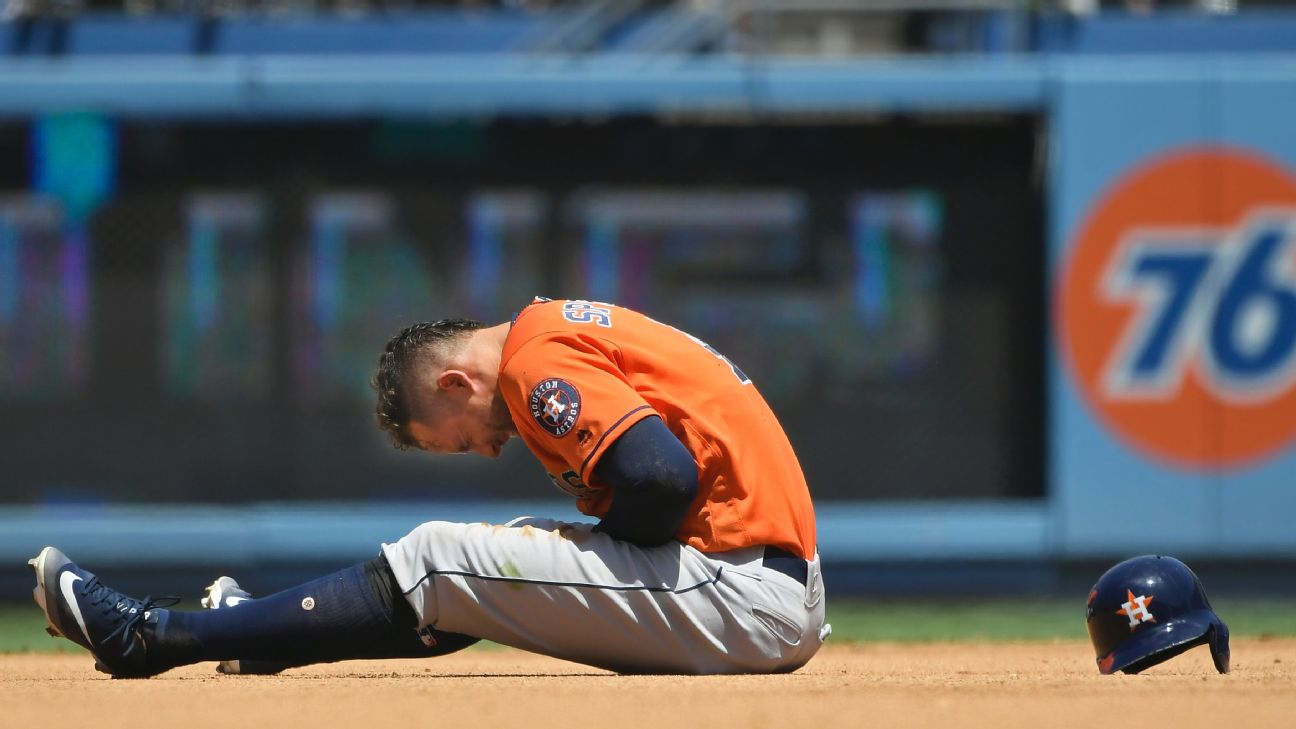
(577, 374)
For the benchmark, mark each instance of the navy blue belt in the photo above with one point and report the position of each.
(781, 560)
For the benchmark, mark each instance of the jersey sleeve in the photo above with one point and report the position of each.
(570, 399)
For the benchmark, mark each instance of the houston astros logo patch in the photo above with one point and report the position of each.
(555, 404)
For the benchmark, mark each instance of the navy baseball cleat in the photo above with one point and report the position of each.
(224, 593)
(89, 613)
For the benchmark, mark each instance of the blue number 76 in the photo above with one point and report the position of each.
(1235, 304)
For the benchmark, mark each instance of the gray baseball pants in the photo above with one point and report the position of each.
(565, 591)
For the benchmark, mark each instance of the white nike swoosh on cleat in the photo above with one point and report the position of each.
(66, 582)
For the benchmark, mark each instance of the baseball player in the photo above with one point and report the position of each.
(702, 560)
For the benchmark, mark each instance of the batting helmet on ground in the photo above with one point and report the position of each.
(1150, 609)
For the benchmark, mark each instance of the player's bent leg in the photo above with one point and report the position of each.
(568, 592)
(354, 613)
(225, 593)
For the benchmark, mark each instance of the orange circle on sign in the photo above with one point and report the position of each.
(1210, 191)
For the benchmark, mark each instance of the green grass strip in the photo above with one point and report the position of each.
(1017, 620)
(22, 630)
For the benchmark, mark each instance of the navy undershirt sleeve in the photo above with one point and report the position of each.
(653, 479)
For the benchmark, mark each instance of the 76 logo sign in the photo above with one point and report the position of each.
(1177, 308)
(1223, 299)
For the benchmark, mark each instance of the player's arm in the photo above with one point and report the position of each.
(572, 400)
(653, 479)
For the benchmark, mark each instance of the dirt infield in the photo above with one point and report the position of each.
(966, 685)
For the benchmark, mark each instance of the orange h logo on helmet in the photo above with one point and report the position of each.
(1137, 609)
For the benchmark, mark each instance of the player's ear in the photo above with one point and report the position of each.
(454, 381)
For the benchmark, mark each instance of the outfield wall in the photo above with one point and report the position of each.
(1172, 397)
(1174, 299)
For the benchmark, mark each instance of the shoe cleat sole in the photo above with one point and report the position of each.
(37, 565)
(206, 600)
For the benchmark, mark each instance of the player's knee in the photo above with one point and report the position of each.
(434, 532)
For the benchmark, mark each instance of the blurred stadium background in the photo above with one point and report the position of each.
(213, 213)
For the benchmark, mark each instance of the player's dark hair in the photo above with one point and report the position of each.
(403, 352)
